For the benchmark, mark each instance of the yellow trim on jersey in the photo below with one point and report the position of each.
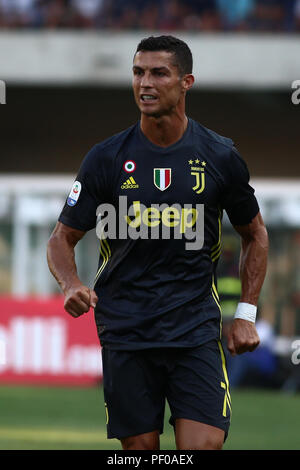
(216, 254)
(106, 254)
(217, 300)
(215, 289)
(224, 368)
(225, 386)
(215, 294)
(216, 249)
(107, 245)
(106, 413)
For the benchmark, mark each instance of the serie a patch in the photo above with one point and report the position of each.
(74, 194)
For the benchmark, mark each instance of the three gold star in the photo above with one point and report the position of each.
(197, 161)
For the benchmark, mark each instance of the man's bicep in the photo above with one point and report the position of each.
(252, 229)
(65, 232)
(238, 198)
(87, 193)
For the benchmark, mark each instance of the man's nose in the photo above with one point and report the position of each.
(146, 81)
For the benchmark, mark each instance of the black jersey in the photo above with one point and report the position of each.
(156, 284)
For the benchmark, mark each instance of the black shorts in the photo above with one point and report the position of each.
(137, 383)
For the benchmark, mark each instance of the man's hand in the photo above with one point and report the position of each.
(79, 299)
(242, 337)
(61, 260)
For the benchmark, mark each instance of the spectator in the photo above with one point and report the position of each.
(86, 12)
(201, 6)
(54, 13)
(149, 18)
(172, 14)
(297, 15)
(17, 13)
(123, 14)
(129, 19)
(289, 15)
(234, 13)
(168, 15)
(202, 15)
(269, 16)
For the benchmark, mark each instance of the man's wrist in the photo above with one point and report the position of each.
(246, 311)
(66, 286)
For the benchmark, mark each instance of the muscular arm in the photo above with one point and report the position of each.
(61, 262)
(253, 264)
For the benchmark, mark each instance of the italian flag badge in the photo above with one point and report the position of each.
(162, 178)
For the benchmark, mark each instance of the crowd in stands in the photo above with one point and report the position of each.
(158, 15)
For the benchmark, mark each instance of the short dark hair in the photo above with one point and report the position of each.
(183, 58)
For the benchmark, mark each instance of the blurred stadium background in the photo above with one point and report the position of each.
(67, 69)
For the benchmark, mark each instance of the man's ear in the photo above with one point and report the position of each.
(188, 81)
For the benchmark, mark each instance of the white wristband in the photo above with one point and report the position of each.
(246, 312)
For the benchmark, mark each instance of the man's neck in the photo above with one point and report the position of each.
(164, 131)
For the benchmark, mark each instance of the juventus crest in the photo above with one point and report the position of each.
(198, 171)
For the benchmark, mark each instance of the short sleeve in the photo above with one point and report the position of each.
(86, 194)
(238, 198)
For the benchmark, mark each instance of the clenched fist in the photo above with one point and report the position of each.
(242, 337)
(79, 299)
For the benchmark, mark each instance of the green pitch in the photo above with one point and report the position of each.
(74, 418)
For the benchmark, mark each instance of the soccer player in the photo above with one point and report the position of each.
(155, 297)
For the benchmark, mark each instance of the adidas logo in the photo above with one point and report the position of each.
(130, 184)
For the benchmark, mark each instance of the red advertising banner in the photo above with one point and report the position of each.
(41, 344)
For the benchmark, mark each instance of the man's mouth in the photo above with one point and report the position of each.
(148, 98)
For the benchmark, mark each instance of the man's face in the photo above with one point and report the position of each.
(156, 83)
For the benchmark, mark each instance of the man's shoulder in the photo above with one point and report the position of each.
(211, 137)
(101, 155)
(112, 144)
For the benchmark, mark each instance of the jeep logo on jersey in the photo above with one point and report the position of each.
(157, 222)
(162, 178)
(74, 194)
